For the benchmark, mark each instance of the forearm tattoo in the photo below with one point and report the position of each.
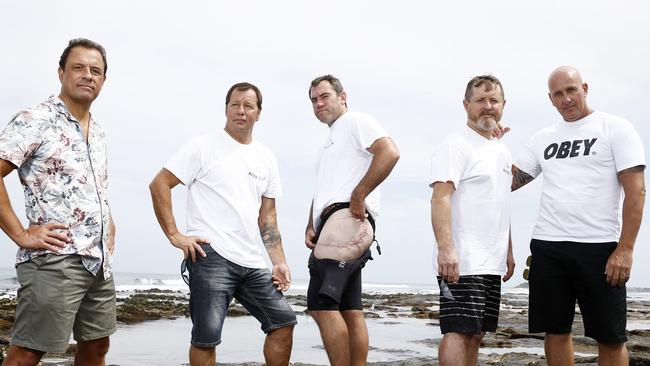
(270, 235)
(519, 178)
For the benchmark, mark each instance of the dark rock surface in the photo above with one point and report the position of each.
(156, 304)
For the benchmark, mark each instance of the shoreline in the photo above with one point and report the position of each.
(385, 312)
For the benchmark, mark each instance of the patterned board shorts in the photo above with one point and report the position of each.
(470, 306)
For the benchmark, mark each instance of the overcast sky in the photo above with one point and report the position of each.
(406, 63)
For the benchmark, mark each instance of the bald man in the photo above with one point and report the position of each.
(581, 245)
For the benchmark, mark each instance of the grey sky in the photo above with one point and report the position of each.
(406, 63)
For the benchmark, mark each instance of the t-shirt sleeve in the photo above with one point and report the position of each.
(527, 160)
(21, 138)
(367, 131)
(274, 188)
(448, 163)
(186, 163)
(627, 146)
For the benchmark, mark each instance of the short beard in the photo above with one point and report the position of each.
(485, 125)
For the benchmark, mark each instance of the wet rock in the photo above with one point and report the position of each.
(151, 306)
(7, 314)
(371, 315)
(237, 310)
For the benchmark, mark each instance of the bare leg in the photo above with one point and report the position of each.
(92, 353)
(277, 346)
(21, 356)
(453, 349)
(612, 354)
(358, 336)
(334, 333)
(558, 349)
(472, 348)
(202, 356)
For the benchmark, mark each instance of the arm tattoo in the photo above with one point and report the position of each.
(519, 178)
(270, 235)
(638, 168)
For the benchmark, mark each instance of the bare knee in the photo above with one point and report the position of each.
(614, 352)
(96, 347)
(21, 356)
(474, 340)
(558, 337)
(284, 334)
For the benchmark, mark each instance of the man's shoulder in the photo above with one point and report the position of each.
(41, 112)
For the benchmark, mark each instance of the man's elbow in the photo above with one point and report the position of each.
(153, 186)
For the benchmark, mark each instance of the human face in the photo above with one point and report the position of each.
(484, 108)
(83, 75)
(568, 95)
(242, 112)
(328, 106)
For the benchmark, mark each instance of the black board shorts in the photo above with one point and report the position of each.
(563, 272)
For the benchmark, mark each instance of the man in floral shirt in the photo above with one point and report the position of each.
(63, 263)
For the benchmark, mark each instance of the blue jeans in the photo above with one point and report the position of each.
(214, 281)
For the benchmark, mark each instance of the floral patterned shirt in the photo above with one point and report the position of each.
(64, 178)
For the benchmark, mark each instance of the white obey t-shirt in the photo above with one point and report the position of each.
(581, 194)
(226, 181)
(344, 160)
(480, 206)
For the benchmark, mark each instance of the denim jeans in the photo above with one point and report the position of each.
(214, 281)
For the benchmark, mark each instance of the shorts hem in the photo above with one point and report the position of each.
(205, 345)
(278, 326)
(94, 336)
(40, 348)
(467, 331)
(610, 340)
(337, 308)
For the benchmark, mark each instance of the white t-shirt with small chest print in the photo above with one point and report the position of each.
(581, 194)
(344, 160)
(480, 170)
(226, 181)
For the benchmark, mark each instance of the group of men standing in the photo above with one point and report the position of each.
(579, 249)
(582, 242)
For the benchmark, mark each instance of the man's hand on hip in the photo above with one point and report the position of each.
(52, 236)
(190, 245)
(358, 206)
(310, 235)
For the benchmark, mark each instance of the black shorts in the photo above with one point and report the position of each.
(471, 305)
(325, 274)
(335, 285)
(563, 272)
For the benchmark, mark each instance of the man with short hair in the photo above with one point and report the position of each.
(580, 249)
(470, 215)
(232, 181)
(64, 257)
(355, 158)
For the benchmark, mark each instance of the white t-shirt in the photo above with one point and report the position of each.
(226, 181)
(480, 206)
(344, 160)
(581, 194)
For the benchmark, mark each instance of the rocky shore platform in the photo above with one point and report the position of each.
(140, 306)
